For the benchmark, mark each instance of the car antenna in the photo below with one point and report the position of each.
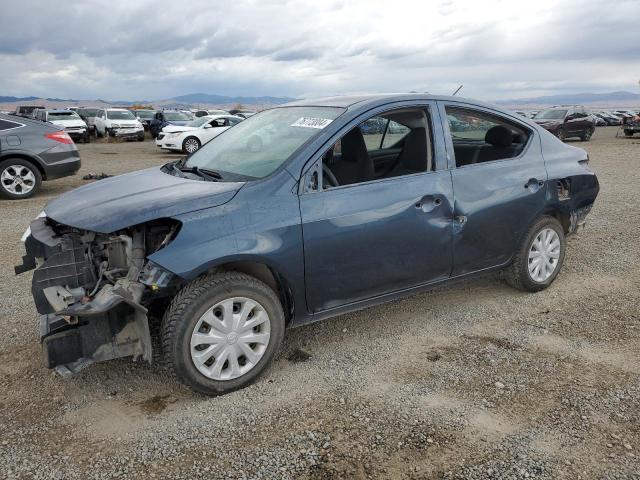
(457, 90)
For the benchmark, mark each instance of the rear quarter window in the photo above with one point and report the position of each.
(8, 125)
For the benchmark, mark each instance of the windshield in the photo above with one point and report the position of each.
(63, 116)
(551, 114)
(258, 146)
(146, 114)
(176, 116)
(120, 115)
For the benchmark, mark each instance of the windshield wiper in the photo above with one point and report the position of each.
(201, 172)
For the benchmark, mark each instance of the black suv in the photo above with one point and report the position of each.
(566, 122)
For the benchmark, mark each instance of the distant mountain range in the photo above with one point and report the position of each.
(611, 99)
(192, 99)
(620, 99)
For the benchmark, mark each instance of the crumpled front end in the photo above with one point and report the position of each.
(92, 290)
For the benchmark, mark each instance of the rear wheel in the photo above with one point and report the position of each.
(539, 258)
(18, 179)
(586, 136)
(221, 332)
(628, 133)
(190, 145)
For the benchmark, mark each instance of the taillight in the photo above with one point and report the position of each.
(62, 137)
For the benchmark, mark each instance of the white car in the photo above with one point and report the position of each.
(189, 138)
(75, 127)
(118, 122)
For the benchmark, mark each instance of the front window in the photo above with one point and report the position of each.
(256, 147)
(551, 115)
(120, 115)
(63, 116)
(176, 117)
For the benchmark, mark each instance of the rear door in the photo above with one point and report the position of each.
(499, 186)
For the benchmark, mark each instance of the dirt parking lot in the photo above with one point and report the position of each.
(473, 381)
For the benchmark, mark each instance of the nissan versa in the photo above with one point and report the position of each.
(295, 215)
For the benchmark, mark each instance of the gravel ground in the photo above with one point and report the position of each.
(473, 381)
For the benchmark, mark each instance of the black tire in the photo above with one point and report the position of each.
(86, 138)
(7, 164)
(628, 133)
(586, 136)
(190, 141)
(141, 136)
(191, 303)
(98, 134)
(561, 134)
(517, 274)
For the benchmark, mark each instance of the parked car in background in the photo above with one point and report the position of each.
(235, 244)
(608, 118)
(144, 116)
(242, 113)
(597, 120)
(192, 136)
(26, 110)
(163, 118)
(566, 122)
(69, 120)
(89, 116)
(30, 152)
(118, 122)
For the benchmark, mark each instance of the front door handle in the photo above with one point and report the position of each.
(428, 203)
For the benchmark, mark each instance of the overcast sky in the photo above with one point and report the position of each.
(136, 49)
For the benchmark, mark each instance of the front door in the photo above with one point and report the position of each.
(385, 227)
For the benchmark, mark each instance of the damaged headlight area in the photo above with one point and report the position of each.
(92, 290)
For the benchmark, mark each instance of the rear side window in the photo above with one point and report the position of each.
(8, 125)
(480, 137)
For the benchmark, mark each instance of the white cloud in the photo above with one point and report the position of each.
(156, 49)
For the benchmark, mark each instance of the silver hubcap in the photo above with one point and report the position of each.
(230, 338)
(18, 179)
(191, 145)
(544, 254)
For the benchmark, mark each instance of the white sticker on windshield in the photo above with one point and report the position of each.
(309, 122)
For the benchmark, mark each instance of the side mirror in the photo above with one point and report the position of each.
(208, 125)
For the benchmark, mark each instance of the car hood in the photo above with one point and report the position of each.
(177, 128)
(118, 202)
(546, 121)
(125, 123)
(69, 123)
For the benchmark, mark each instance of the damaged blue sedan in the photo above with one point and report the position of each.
(300, 213)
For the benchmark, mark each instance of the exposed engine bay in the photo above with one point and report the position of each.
(92, 290)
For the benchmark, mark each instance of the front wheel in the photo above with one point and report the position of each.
(628, 133)
(190, 145)
(561, 134)
(221, 332)
(539, 258)
(141, 136)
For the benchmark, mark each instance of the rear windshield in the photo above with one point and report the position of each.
(70, 115)
(257, 146)
(88, 112)
(120, 115)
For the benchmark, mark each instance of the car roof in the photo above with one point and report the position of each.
(373, 100)
(58, 110)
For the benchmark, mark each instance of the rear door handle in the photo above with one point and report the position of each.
(534, 182)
